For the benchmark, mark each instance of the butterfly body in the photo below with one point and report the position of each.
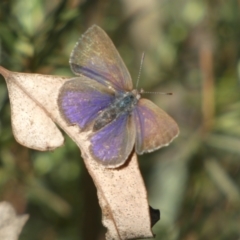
(124, 103)
(102, 100)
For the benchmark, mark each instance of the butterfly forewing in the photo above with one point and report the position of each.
(96, 57)
(154, 127)
(81, 99)
(113, 144)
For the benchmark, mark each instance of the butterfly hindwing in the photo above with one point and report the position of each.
(96, 57)
(154, 127)
(81, 99)
(113, 144)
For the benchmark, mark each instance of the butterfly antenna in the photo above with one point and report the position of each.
(140, 69)
(163, 93)
(139, 74)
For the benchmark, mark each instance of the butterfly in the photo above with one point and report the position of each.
(101, 99)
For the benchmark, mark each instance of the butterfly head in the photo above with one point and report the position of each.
(136, 93)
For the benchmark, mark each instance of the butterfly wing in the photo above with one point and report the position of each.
(154, 127)
(81, 99)
(96, 57)
(112, 144)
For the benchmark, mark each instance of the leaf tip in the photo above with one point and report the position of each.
(4, 72)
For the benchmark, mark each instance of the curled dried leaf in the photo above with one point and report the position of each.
(10, 224)
(121, 191)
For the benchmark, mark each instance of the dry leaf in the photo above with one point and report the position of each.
(10, 224)
(121, 192)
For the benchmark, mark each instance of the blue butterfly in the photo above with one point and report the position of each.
(102, 99)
